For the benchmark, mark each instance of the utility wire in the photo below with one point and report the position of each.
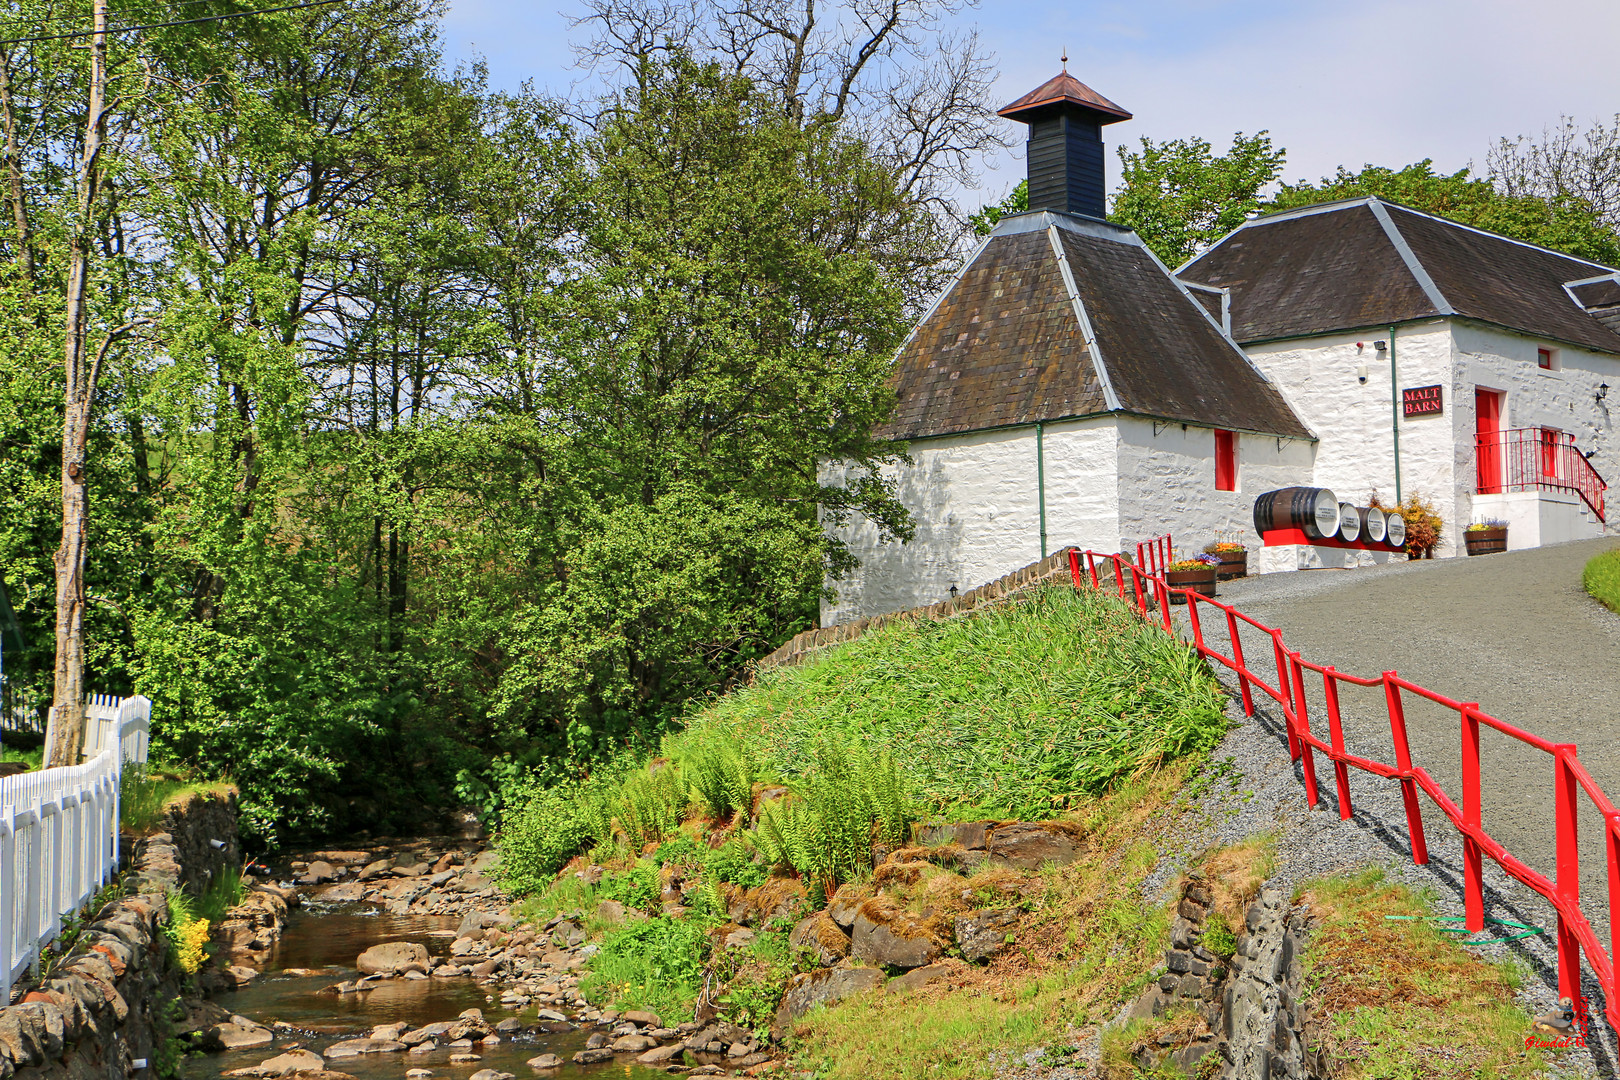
(68, 18)
(161, 25)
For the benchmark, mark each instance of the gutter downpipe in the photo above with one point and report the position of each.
(1040, 481)
(1395, 413)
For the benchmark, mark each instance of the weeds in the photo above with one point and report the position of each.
(145, 793)
(654, 964)
(187, 932)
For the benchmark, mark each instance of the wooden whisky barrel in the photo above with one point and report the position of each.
(1314, 510)
(1372, 525)
(1349, 523)
(1395, 531)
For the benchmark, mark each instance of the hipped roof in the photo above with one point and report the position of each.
(1365, 263)
(1057, 317)
(1065, 88)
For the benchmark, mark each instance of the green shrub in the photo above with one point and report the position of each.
(1602, 579)
(637, 888)
(736, 861)
(654, 964)
(548, 828)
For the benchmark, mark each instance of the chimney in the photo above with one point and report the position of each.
(1065, 148)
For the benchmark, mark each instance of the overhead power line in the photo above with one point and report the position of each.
(161, 25)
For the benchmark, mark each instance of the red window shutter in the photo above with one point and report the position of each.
(1225, 461)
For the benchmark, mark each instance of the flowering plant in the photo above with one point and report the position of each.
(1189, 564)
(1487, 523)
(1225, 547)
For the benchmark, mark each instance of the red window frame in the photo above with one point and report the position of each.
(1544, 359)
(1551, 439)
(1225, 461)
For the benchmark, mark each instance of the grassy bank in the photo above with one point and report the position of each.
(1602, 579)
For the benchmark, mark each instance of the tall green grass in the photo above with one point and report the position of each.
(1602, 579)
(1018, 709)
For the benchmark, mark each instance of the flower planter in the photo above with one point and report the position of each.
(1486, 541)
(1234, 564)
(1201, 582)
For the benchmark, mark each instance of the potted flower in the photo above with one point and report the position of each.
(1234, 559)
(1423, 524)
(1486, 537)
(1196, 574)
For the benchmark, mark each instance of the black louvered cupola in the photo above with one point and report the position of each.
(1065, 149)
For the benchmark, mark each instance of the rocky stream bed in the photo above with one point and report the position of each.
(406, 963)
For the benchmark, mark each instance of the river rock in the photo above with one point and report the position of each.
(592, 1057)
(490, 1074)
(545, 1061)
(823, 987)
(633, 1044)
(426, 1032)
(418, 1074)
(346, 893)
(509, 1025)
(641, 1019)
(880, 944)
(319, 872)
(389, 1031)
(375, 870)
(291, 1062)
(549, 1014)
(418, 870)
(356, 1047)
(464, 1058)
(1027, 845)
(391, 956)
(662, 1055)
(983, 934)
(237, 1034)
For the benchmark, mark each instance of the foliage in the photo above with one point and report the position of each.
(187, 932)
(1423, 523)
(755, 977)
(736, 861)
(1565, 162)
(1016, 710)
(1601, 579)
(146, 792)
(1181, 197)
(548, 828)
(1398, 998)
(1218, 937)
(1016, 202)
(722, 772)
(1225, 547)
(637, 888)
(848, 799)
(1563, 222)
(654, 964)
(1486, 523)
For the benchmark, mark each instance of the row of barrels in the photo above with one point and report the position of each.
(1321, 516)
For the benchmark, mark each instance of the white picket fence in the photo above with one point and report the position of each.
(59, 832)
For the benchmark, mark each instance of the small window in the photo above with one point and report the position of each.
(1225, 461)
(1547, 359)
(1551, 440)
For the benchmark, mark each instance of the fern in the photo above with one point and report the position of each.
(721, 771)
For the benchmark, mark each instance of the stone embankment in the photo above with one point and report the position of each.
(100, 1010)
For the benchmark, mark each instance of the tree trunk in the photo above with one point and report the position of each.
(14, 180)
(67, 707)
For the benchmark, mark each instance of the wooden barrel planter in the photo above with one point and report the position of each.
(1201, 582)
(1234, 564)
(1486, 541)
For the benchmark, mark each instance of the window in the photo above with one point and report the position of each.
(1551, 439)
(1547, 359)
(1225, 461)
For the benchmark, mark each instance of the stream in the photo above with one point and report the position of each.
(318, 948)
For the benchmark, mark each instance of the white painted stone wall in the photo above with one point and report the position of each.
(1535, 518)
(1354, 420)
(1167, 483)
(1565, 399)
(975, 501)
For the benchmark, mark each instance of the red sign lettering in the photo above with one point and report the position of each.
(1422, 400)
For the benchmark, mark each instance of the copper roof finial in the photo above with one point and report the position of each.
(1065, 59)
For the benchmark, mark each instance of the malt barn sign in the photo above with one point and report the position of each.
(1422, 400)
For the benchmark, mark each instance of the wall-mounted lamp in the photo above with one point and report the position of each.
(953, 592)
(1381, 346)
(1602, 392)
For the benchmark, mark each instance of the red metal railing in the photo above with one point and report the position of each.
(1536, 459)
(1146, 588)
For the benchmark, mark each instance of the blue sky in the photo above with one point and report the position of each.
(1374, 81)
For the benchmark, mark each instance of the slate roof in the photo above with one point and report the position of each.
(1060, 88)
(1057, 317)
(1367, 263)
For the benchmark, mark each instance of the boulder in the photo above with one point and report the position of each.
(983, 934)
(545, 1061)
(820, 934)
(389, 1031)
(916, 979)
(892, 944)
(663, 1055)
(426, 1033)
(823, 987)
(641, 1019)
(293, 1061)
(1028, 845)
(844, 907)
(592, 1057)
(346, 893)
(237, 1035)
(391, 957)
(319, 872)
(633, 1044)
(375, 869)
(610, 911)
(356, 1047)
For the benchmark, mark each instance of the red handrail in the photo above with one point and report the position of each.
(1574, 933)
(1536, 459)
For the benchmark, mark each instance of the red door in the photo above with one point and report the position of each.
(1488, 440)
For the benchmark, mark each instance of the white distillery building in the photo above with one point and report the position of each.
(1436, 359)
(1067, 388)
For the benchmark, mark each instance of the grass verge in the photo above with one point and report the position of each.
(1399, 998)
(144, 794)
(1602, 579)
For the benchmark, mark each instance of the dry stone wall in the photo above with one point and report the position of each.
(100, 1012)
(802, 645)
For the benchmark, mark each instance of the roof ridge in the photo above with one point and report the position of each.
(1414, 266)
(1494, 236)
(1110, 398)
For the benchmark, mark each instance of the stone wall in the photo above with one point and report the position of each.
(101, 1010)
(1054, 566)
(1246, 1007)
